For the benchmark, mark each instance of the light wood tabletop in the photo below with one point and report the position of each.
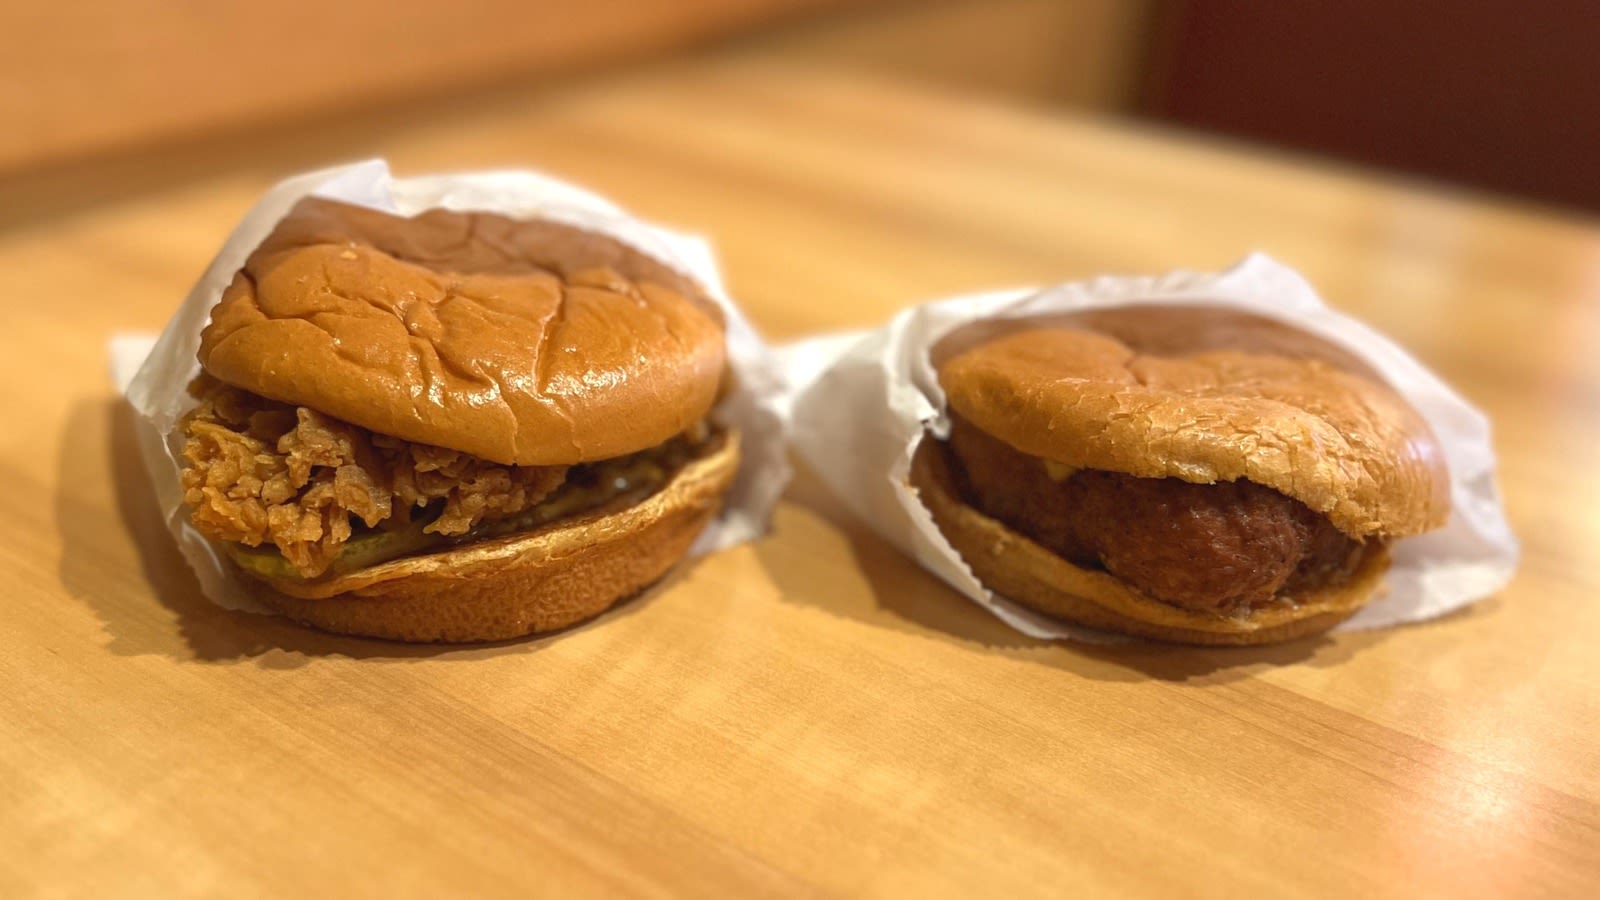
(810, 714)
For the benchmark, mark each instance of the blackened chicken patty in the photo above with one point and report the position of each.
(1221, 548)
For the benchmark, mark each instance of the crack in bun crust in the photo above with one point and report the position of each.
(1203, 395)
(520, 342)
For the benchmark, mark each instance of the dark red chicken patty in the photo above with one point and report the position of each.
(1222, 547)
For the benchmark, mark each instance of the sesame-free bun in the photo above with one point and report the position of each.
(1204, 395)
(538, 581)
(1015, 567)
(521, 342)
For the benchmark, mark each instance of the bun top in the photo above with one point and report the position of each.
(1204, 395)
(521, 342)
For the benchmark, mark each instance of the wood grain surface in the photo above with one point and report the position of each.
(811, 714)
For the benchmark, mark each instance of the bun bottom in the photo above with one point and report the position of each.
(542, 580)
(1021, 570)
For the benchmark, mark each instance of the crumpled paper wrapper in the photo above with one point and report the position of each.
(862, 401)
(154, 372)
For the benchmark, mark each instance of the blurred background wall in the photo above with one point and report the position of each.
(1502, 95)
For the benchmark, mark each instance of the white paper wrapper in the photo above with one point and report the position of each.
(154, 372)
(861, 402)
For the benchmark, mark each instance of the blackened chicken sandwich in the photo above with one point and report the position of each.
(1178, 473)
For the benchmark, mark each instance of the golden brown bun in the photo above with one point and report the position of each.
(1021, 570)
(521, 342)
(540, 581)
(1204, 395)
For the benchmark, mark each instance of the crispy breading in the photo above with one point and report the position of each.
(257, 471)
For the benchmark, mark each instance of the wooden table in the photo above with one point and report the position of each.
(813, 713)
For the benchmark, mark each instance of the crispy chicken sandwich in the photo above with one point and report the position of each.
(1177, 473)
(454, 427)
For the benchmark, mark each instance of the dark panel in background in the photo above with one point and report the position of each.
(1498, 94)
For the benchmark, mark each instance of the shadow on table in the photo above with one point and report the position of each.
(906, 597)
(153, 605)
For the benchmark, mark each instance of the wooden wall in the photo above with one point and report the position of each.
(82, 77)
(1082, 53)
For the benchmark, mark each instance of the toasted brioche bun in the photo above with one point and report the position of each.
(539, 581)
(520, 342)
(1021, 570)
(1204, 395)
